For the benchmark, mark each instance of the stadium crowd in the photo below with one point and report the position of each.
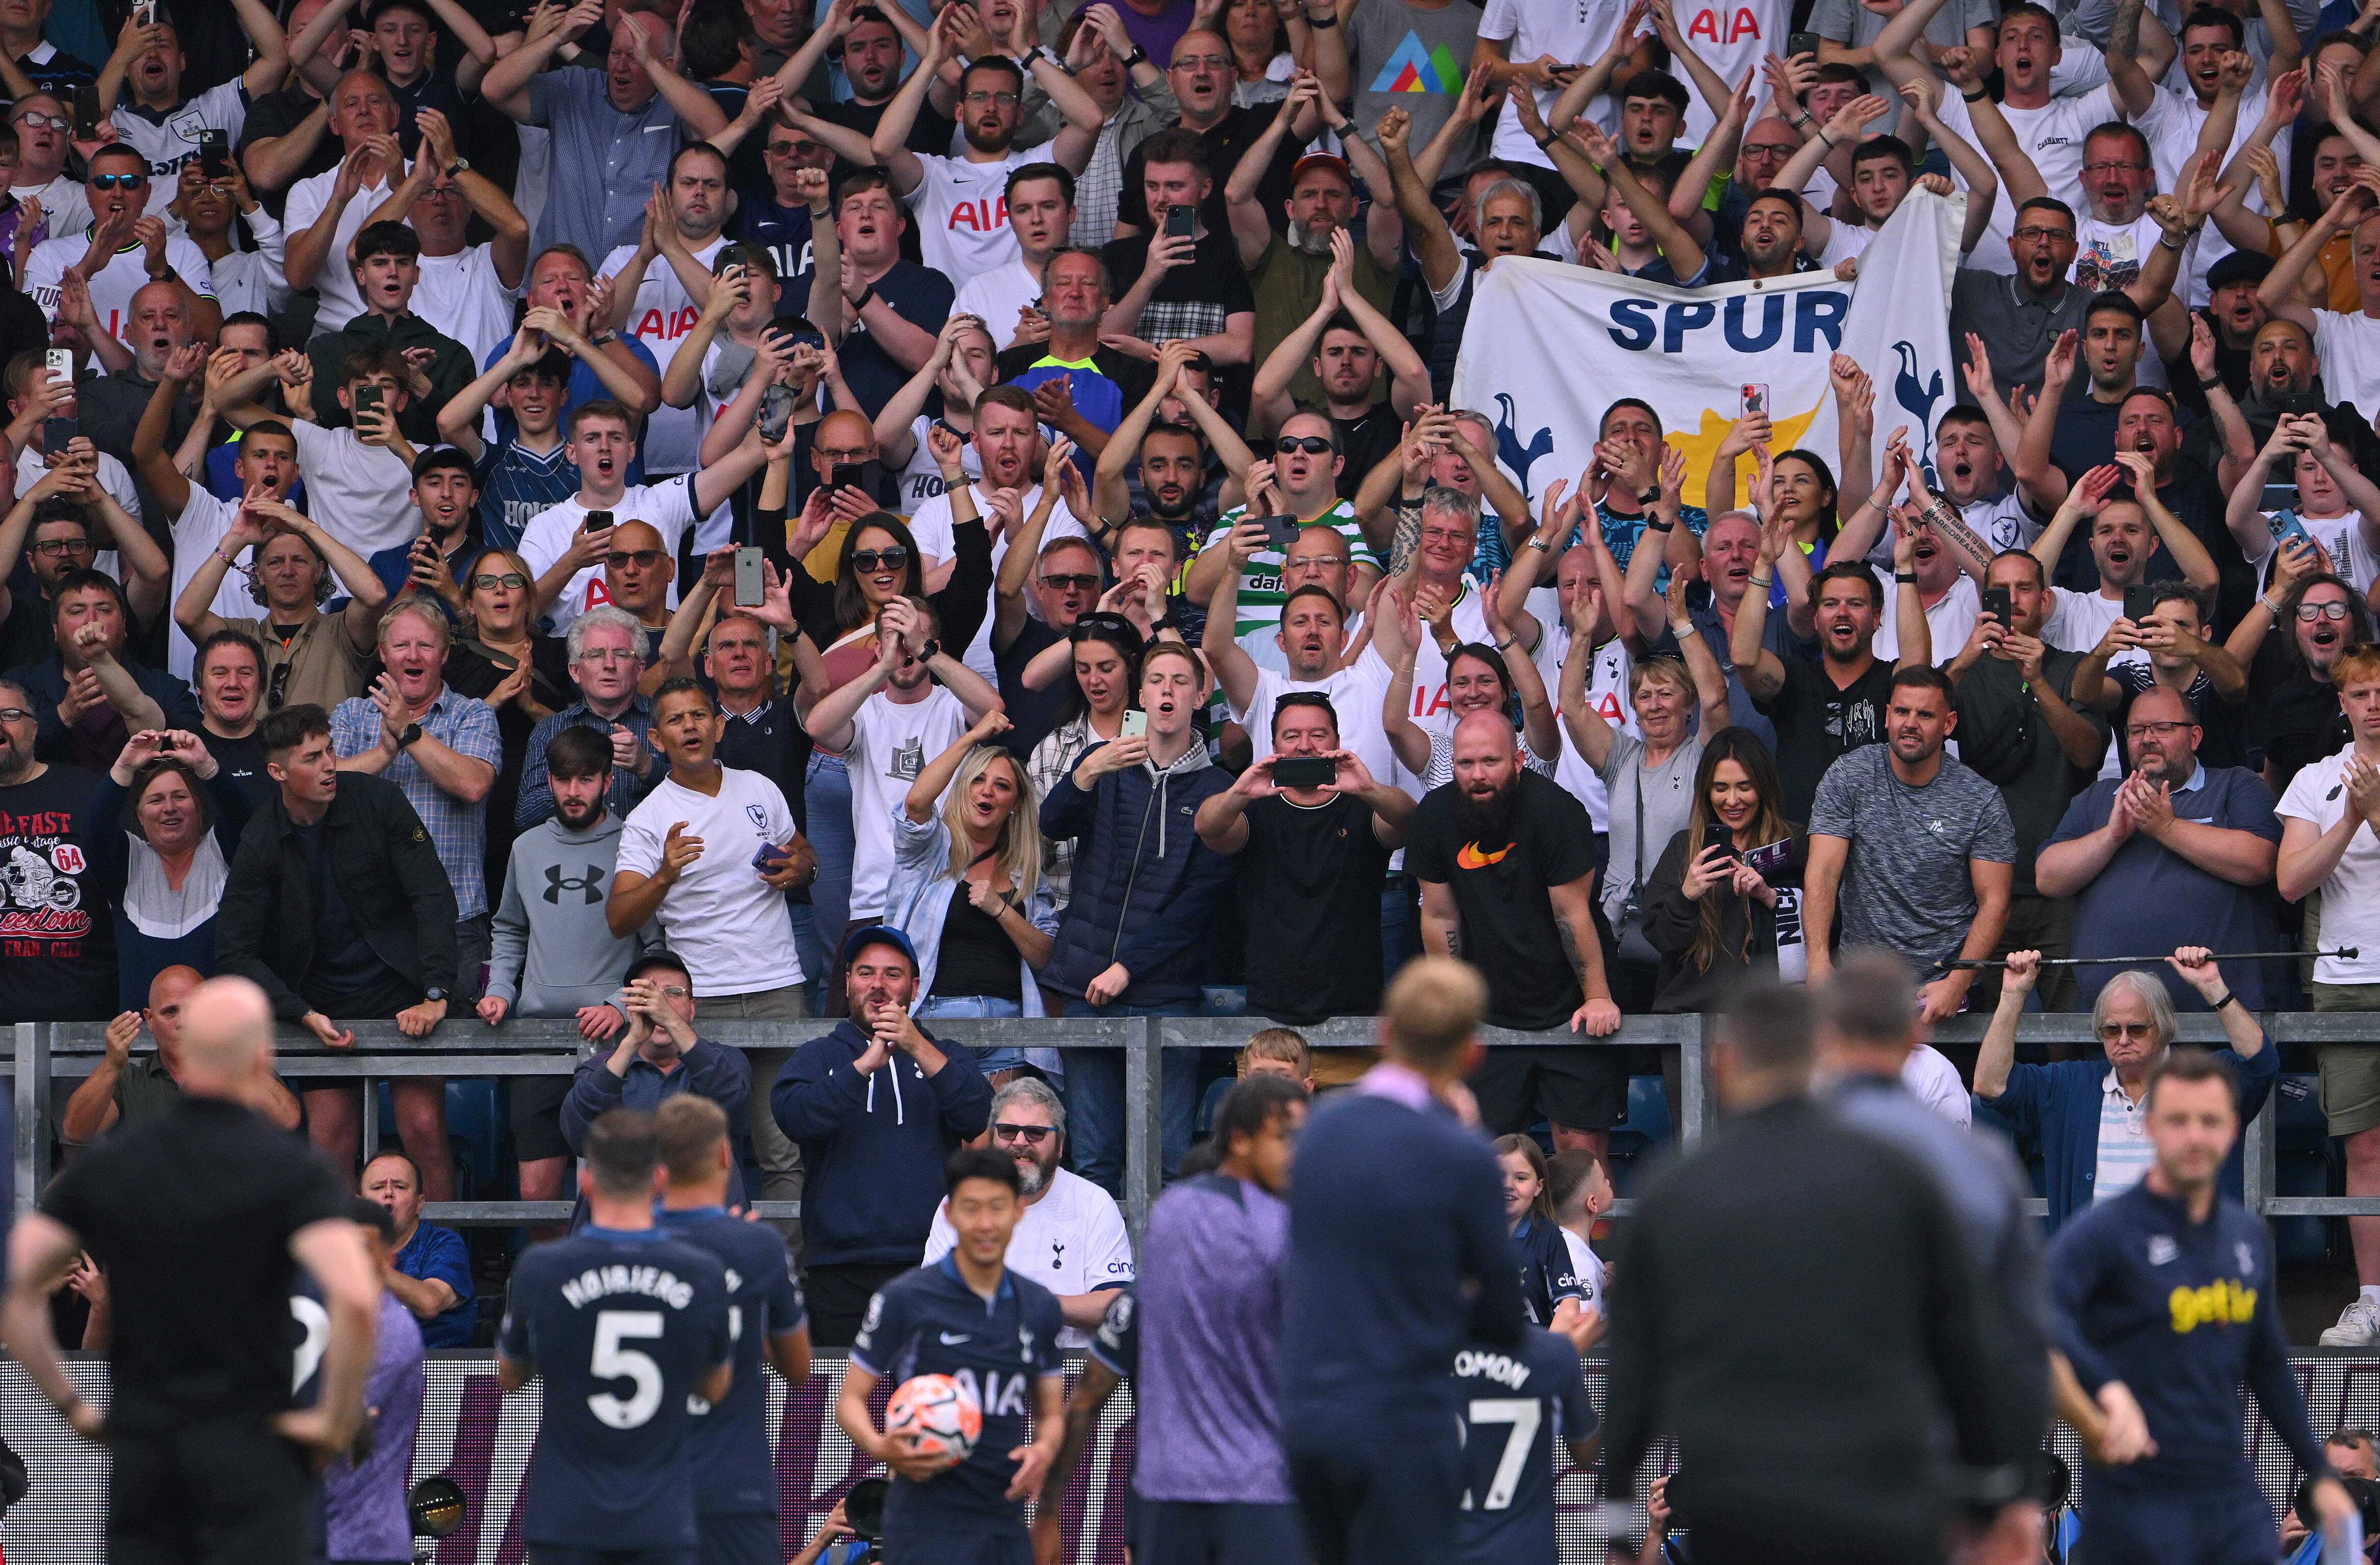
(637, 514)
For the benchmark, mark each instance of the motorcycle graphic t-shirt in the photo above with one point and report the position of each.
(57, 948)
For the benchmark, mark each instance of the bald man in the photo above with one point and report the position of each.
(637, 577)
(120, 1092)
(200, 1273)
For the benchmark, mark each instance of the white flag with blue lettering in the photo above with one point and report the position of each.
(1548, 346)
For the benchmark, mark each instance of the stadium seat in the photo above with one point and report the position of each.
(474, 1132)
(1647, 1123)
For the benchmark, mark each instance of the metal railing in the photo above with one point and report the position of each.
(41, 1053)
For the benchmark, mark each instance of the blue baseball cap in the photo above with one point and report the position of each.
(878, 934)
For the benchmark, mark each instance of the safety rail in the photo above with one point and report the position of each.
(532, 1047)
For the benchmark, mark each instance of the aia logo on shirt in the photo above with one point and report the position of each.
(657, 326)
(989, 216)
(1719, 27)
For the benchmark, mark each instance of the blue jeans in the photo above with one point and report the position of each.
(1095, 1099)
(827, 795)
(1399, 938)
(817, 967)
(989, 1058)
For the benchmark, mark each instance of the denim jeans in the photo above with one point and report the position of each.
(1095, 1099)
(989, 1058)
(818, 965)
(827, 794)
(1400, 936)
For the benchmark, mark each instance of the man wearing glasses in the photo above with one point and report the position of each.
(42, 127)
(2018, 317)
(120, 253)
(2090, 1116)
(1305, 462)
(1071, 1239)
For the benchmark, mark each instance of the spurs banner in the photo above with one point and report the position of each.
(1548, 346)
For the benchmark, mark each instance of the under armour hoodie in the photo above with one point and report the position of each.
(552, 918)
(873, 1146)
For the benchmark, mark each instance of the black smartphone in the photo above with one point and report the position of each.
(598, 520)
(86, 113)
(365, 397)
(2300, 403)
(2139, 602)
(847, 475)
(57, 435)
(1180, 222)
(1802, 43)
(1996, 603)
(1303, 772)
(1279, 532)
(215, 153)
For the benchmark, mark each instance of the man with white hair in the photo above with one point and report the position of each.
(2091, 1119)
(199, 1421)
(1071, 1239)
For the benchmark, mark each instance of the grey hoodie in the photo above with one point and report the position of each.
(552, 915)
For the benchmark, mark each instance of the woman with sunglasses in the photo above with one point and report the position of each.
(498, 658)
(967, 889)
(1716, 901)
(1105, 648)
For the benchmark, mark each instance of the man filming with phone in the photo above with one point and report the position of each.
(358, 480)
(1304, 463)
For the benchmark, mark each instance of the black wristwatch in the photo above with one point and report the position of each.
(412, 732)
(1909, 577)
(861, 302)
(434, 993)
(1024, 62)
(1171, 622)
(1649, 496)
(929, 651)
(1137, 56)
(2209, 383)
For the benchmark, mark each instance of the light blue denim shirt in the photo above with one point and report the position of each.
(918, 900)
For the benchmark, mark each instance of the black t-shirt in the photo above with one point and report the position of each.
(978, 957)
(243, 761)
(2003, 737)
(1307, 877)
(58, 946)
(279, 114)
(1189, 301)
(920, 295)
(1500, 893)
(1365, 443)
(1229, 137)
(344, 962)
(198, 1269)
(1818, 723)
(2293, 718)
(1031, 713)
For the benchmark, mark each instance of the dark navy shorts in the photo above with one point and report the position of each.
(1175, 1532)
(749, 1538)
(1389, 1499)
(2142, 1526)
(958, 1548)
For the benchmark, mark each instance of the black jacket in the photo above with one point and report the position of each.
(388, 871)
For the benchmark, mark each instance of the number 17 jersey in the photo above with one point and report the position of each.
(620, 1325)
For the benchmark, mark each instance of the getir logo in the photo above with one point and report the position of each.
(2218, 1303)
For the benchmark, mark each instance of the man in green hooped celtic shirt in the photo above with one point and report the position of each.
(1303, 470)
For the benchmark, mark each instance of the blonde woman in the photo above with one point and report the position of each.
(971, 822)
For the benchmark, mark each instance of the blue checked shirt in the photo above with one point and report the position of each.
(465, 725)
(628, 790)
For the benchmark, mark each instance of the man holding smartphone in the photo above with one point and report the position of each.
(166, 129)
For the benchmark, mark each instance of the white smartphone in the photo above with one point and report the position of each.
(1135, 725)
(61, 363)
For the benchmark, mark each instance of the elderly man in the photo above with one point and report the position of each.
(118, 1091)
(2176, 854)
(327, 210)
(615, 133)
(873, 1175)
(659, 1056)
(603, 363)
(607, 661)
(1071, 1239)
(428, 1270)
(310, 657)
(109, 407)
(2090, 1118)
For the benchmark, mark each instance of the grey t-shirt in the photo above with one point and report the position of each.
(1391, 42)
(1853, 26)
(1669, 795)
(1905, 883)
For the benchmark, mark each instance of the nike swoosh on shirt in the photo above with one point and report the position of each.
(948, 1338)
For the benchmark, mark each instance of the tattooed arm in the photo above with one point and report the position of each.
(1574, 921)
(1442, 924)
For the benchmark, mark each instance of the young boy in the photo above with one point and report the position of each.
(1279, 1051)
(531, 471)
(1580, 1188)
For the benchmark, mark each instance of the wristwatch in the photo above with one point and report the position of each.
(1024, 62)
(603, 339)
(929, 652)
(460, 166)
(1137, 56)
(434, 993)
(412, 732)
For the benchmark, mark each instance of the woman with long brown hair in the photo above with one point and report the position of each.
(1712, 905)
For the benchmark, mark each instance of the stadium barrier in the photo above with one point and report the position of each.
(41, 1056)
(482, 1438)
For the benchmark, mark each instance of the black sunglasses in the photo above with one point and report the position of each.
(1313, 445)
(865, 559)
(1032, 1135)
(118, 181)
(277, 690)
(1079, 583)
(1100, 620)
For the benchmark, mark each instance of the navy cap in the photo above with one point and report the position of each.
(878, 934)
(2239, 266)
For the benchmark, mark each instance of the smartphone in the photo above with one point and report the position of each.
(1135, 725)
(215, 153)
(145, 14)
(2300, 403)
(1755, 400)
(1802, 43)
(1303, 772)
(847, 475)
(365, 398)
(1180, 222)
(749, 585)
(57, 435)
(2285, 523)
(1279, 532)
(1996, 603)
(768, 853)
(2140, 599)
(86, 113)
(598, 520)
(60, 361)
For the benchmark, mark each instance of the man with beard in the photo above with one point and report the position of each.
(957, 230)
(1171, 458)
(2122, 544)
(2283, 367)
(2168, 650)
(229, 682)
(311, 657)
(1311, 645)
(1506, 863)
(1071, 1238)
(1342, 348)
(2176, 854)
(2018, 317)
(2021, 728)
(654, 307)
(873, 1183)
(59, 962)
(1303, 487)
(874, 49)
(2293, 717)
(1080, 386)
(2075, 434)
(1909, 849)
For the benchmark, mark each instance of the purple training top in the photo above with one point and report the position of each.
(1209, 1309)
(364, 1506)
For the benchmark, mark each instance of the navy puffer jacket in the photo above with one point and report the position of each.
(1146, 890)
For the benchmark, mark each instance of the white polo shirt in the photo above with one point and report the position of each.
(1070, 1241)
(2125, 1153)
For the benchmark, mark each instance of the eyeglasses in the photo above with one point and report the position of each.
(2139, 731)
(40, 121)
(1032, 1135)
(791, 149)
(1074, 583)
(2114, 1030)
(674, 991)
(643, 559)
(14, 714)
(489, 583)
(1313, 445)
(118, 181)
(978, 100)
(1201, 62)
(865, 559)
(829, 455)
(2309, 613)
(2097, 168)
(613, 655)
(2029, 234)
(51, 548)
